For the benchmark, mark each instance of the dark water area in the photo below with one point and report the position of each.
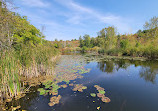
(131, 86)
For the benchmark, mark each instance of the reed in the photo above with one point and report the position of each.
(28, 62)
(23, 52)
(9, 67)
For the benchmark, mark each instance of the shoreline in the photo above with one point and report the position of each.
(108, 56)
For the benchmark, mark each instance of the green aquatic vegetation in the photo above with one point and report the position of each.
(84, 87)
(66, 72)
(93, 94)
(101, 91)
(9, 79)
(67, 81)
(42, 91)
(47, 86)
(101, 94)
(79, 87)
(54, 90)
(47, 83)
(82, 71)
(55, 85)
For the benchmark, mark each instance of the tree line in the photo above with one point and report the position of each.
(23, 52)
(144, 43)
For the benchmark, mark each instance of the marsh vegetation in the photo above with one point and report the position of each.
(99, 83)
(119, 72)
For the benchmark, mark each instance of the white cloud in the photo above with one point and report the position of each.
(68, 19)
(80, 13)
(35, 3)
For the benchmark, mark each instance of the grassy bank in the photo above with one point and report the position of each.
(29, 62)
(23, 53)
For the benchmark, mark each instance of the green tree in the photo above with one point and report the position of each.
(110, 37)
(81, 41)
(87, 40)
(124, 44)
(152, 23)
(92, 43)
(152, 26)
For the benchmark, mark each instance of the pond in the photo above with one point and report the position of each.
(130, 85)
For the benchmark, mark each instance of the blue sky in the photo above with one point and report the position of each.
(68, 19)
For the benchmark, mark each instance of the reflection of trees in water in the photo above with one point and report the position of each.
(106, 66)
(110, 66)
(123, 64)
(148, 71)
(148, 74)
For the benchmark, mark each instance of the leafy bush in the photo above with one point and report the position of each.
(84, 49)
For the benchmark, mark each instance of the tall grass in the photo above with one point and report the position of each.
(9, 70)
(26, 61)
(36, 61)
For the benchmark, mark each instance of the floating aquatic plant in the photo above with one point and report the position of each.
(71, 84)
(93, 94)
(67, 81)
(63, 86)
(101, 94)
(105, 99)
(98, 108)
(69, 68)
(101, 91)
(54, 100)
(42, 91)
(53, 92)
(51, 88)
(79, 87)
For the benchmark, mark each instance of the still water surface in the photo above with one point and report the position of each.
(131, 86)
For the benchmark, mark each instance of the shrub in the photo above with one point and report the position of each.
(84, 49)
(114, 52)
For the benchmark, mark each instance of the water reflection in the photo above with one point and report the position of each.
(148, 74)
(26, 101)
(124, 93)
(111, 66)
(121, 64)
(106, 66)
(148, 70)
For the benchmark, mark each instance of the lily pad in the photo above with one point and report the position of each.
(67, 81)
(93, 94)
(105, 99)
(42, 91)
(101, 92)
(79, 87)
(63, 86)
(54, 100)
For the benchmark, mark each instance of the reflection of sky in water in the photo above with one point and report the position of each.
(131, 86)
